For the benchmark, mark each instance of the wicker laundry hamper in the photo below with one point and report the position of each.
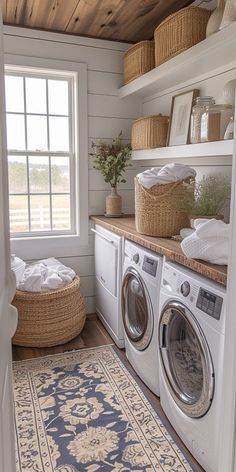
(49, 318)
(162, 210)
(180, 31)
(138, 59)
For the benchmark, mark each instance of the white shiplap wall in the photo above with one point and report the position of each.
(108, 115)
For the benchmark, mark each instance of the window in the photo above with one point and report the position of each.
(41, 152)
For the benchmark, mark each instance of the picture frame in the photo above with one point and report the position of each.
(180, 115)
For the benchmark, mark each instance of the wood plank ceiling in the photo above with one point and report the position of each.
(124, 20)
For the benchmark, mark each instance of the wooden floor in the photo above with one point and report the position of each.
(93, 335)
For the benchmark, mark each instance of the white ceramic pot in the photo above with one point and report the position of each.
(215, 19)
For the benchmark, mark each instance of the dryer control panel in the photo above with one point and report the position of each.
(210, 303)
(150, 265)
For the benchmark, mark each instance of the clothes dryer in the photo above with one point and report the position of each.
(191, 339)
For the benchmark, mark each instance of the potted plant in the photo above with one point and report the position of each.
(112, 160)
(211, 195)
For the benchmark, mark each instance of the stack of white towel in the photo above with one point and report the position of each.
(47, 274)
(209, 241)
(167, 174)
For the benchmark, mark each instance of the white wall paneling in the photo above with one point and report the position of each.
(107, 116)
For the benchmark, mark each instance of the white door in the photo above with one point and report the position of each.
(7, 313)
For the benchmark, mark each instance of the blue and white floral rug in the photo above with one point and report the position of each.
(83, 411)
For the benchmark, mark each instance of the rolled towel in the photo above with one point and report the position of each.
(210, 242)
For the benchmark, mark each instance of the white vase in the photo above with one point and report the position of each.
(215, 19)
(229, 14)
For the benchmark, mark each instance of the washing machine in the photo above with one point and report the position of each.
(191, 342)
(140, 303)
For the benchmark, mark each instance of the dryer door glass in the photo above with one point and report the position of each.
(136, 310)
(186, 360)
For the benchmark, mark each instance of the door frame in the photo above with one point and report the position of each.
(227, 459)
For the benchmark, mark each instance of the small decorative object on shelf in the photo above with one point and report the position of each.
(149, 132)
(214, 121)
(180, 31)
(200, 104)
(229, 133)
(138, 60)
(229, 15)
(112, 160)
(179, 128)
(215, 19)
(211, 195)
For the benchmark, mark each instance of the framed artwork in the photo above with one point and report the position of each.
(180, 115)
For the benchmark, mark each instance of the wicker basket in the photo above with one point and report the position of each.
(49, 318)
(149, 132)
(159, 211)
(138, 60)
(180, 31)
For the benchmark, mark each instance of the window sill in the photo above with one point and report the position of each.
(52, 246)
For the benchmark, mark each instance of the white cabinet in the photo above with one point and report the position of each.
(108, 272)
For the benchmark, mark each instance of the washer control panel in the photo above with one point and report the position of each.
(150, 266)
(210, 303)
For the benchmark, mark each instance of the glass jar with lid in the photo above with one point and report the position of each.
(200, 104)
(214, 121)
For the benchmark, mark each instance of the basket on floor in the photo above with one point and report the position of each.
(180, 31)
(162, 210)
(49, 318)
(138, 60)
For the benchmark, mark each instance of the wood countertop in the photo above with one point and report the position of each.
(125, 226)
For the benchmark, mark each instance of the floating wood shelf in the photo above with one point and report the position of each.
(212, 149)
(208, 58)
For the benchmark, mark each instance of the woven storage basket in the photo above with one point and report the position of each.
(138, 60)
(156, 209)
(49, 318)
(149, 132)
(180, 31)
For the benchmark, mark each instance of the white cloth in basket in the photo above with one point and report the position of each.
(210, 241)
(167, 174)
(47, 274)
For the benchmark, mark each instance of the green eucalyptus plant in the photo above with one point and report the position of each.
(211, 195)
(111, 159)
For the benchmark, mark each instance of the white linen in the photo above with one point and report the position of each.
(47, 274)
(167, 174)
(210, 241)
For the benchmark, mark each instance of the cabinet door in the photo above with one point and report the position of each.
(106, 263)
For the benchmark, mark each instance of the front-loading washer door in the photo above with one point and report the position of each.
(136, 310)
(186, 360)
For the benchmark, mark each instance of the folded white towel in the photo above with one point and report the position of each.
(167, 174)
(47, 274)
(210, 241)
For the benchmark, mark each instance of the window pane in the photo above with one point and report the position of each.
(35, 95)
(39, 174)
(60, 174)
(61, 212)
(40, 212)
(17, 173)
(18, 214)
(15, 132)
(59, 134)
(37, 133)
(14, 93)
(58, 97)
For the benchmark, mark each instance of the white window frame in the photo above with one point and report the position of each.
(33, 247)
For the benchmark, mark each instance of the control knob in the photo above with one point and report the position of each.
(136, 258)
(185, 288)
